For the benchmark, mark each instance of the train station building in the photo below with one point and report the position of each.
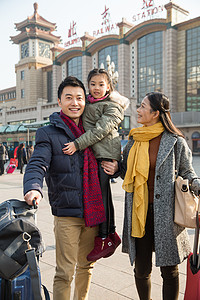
(157, 54)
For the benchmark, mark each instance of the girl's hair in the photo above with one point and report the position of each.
(103, 72)
(158, 101)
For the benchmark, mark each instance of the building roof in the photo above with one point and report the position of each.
(34, 33)
(35, 26)
(35, 19)
(7, 90)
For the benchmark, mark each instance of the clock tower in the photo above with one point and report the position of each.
(35, 41)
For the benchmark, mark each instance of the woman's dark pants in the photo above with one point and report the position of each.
(143, 266)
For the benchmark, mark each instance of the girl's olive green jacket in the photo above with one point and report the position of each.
(101, 120)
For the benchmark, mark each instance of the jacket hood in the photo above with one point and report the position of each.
(58, 122)
(55, 118)
(121, 100)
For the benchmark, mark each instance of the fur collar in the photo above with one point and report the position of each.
(121, 100)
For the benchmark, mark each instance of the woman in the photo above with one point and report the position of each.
(30, 152)
(21, 156)
(148, 169)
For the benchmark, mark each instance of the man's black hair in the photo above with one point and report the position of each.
(70, 81)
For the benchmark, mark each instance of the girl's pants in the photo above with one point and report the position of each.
(143, 265)
(108, 226)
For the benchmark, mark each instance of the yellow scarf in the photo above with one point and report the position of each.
(137, 174)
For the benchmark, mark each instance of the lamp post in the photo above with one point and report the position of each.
(111, 70)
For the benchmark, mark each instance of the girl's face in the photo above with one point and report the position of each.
(146, 115)
(98, 86)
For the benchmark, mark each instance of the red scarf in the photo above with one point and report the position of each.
(94, 212)
(93, 100)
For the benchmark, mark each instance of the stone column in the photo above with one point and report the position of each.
(86, 68)
(4, 119)
(170, 67)
(40, 102)
(56, 78)
(181, 71)
(124, 69)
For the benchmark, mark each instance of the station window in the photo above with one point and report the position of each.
(150, 71)
(74, 67)
(112, 51)
(22, 75)
(193, 69)
(22, 93)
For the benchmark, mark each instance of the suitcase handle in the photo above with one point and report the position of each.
(196, 241)
(196, 238)
(35, 206)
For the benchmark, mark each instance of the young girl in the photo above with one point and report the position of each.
(102, 115)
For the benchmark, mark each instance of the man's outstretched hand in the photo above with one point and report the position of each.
(32, 196)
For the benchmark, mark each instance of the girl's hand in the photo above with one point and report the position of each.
(110, 167)
(69, 149)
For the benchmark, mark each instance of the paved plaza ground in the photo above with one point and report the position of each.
(112, 277)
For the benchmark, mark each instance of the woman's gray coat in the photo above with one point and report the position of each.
(171, 240)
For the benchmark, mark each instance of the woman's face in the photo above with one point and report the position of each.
(146, 116)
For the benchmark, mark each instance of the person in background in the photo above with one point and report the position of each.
(73, 188)
(2, 158)
(148, 169)
(11, 152)
(15, 152)
(29, 152)
(102, 115)
(20, 156)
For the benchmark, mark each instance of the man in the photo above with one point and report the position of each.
(73, 189)
(2, 158)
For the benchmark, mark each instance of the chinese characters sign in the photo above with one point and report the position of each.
(73, 39)
(148, 11)
(107, 27)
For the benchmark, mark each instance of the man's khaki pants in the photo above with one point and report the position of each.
(74, 242)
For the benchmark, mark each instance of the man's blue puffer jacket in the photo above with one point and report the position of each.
(63, 173)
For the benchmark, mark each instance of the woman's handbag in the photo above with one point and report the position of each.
(186, 204)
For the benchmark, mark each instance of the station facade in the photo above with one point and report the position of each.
(159, 54)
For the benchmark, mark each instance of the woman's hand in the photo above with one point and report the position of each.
(69, 149)
(195, 186)
(110, 167)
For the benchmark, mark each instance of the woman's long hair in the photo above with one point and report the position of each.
(158, 101)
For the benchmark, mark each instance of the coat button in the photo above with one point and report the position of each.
(158, 177)
(157, 196)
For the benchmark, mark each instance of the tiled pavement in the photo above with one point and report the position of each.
(112, 277)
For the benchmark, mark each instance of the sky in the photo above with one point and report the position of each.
(86, 14)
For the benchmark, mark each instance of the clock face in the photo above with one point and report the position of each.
(24, 50)
(44, 50)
